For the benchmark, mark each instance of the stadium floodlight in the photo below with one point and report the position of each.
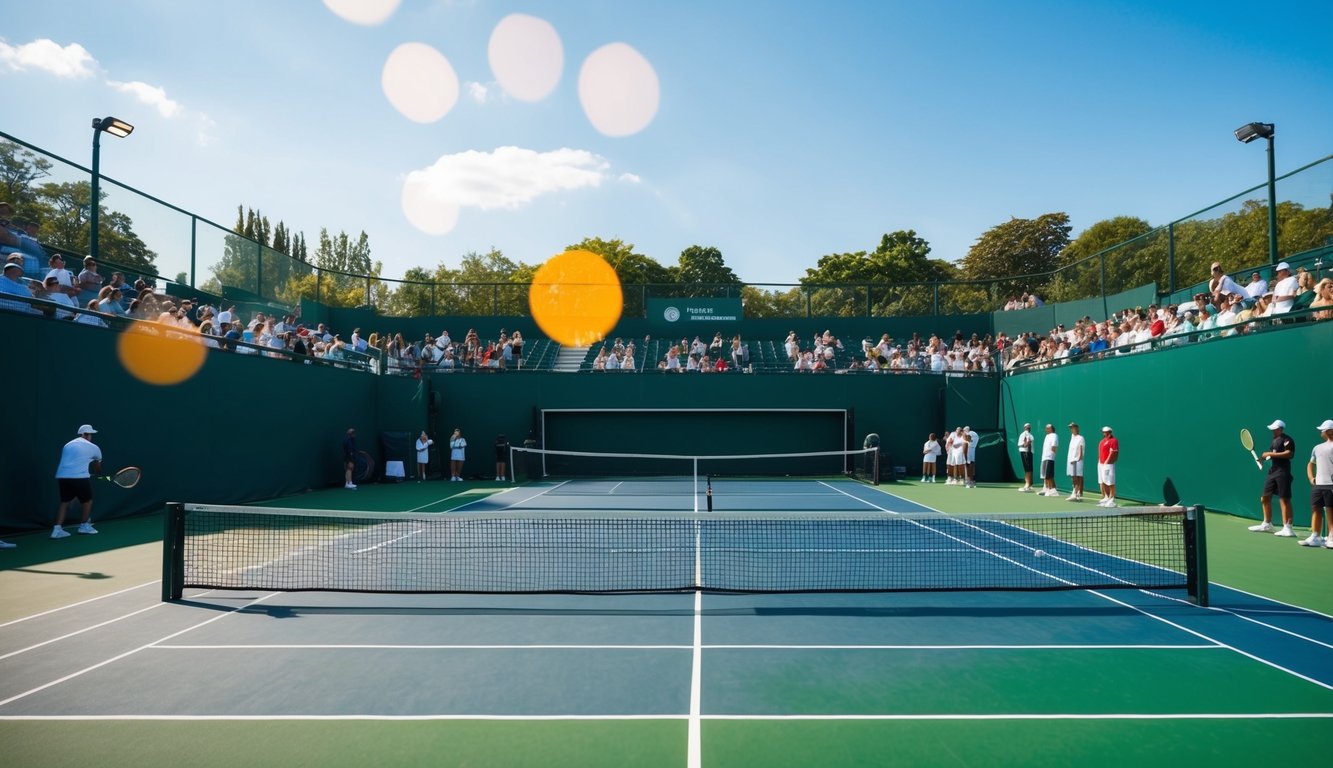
(120, 129)
(1245, 134)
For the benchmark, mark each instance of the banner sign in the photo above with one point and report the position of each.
(672, 313)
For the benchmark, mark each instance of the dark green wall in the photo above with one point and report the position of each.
(1178, 413)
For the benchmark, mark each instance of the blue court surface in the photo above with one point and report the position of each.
(1096, 677)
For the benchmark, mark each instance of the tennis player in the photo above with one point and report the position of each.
(1025, 455)
(1108, 453)
(501, 458)
(80, 459)
(457, 446)
(1278, 481)
(1050, 444)
(423, 454)
(1320, 472)
(349, 457)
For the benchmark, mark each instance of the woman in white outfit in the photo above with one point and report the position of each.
(456, 446)
(423, 454)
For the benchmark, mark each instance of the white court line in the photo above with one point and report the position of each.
(105, 662)
(80, 631)
(670, 716)
(81, 602)
(694, 743)
(1201, 635)
(697, 645)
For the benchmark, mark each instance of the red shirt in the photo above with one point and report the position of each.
(1105, 447)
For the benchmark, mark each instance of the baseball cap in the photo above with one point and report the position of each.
(86, 429)
(1278, 424)
(1328, 424)
(14, 264)
(1281, 266)
(1106, 429)
(1027, 423)
(1073, 423)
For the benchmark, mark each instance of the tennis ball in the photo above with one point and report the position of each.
(1039, 553)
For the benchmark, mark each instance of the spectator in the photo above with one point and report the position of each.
(1323, 298)
(89, 317)
(62, 275)
(1220, 284)
(1305, 290)
(1257, 286)
(89, 281)
(55, 293)
(11, 284)
(1284, 293)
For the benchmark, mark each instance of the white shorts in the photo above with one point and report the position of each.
(956, 458)
(1106, 474)
(1076, 469)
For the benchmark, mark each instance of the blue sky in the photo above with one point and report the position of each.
(782, 131)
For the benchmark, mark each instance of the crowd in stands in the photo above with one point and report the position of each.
(1223, 309)
(1024, 301)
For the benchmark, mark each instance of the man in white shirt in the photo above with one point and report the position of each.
(1025, 457)
(1221, 284)
(970, 468)
(1284, 293)
(1049, 446)
(79, 460)
(1077, 447)
(1320, 472)
(1256, 287)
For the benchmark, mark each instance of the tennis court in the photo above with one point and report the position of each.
(1075, 676)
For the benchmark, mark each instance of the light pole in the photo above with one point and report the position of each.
(1245, 134)
(120, 129)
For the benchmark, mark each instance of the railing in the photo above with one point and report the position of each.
(177, 245)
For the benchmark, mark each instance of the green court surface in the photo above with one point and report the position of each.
(94, 669)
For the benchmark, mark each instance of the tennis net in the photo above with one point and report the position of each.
(617, 552)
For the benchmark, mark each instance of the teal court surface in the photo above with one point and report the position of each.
(964, 678)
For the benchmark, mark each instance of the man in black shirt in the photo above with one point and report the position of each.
(349, 458)
(1278, 481)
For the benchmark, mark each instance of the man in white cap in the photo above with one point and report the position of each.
(1025, 456)
(1320, 472)
(1278, 481)
(12, 284)
(1049, 445)
(1108, 453)
(79, 460)
(1284, 292)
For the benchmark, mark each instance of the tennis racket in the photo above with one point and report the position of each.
(1247, 442)
(363, 467)
(125, 478)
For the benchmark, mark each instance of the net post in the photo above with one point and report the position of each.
(173, 552)
(1196, 556)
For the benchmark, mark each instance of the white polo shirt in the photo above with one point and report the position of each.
(1049, 446)
(1322, 458)
(1288, 287)
(75, 458)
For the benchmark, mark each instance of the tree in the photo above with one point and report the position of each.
(63, 210)
(894, 279)
(638, 274)
(19, 169)
(1019, 255)
(701, 271)
(1132, 263)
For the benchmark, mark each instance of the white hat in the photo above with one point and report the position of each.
(86, 429)
(1281, 266)
(1327, 425)
(1106, 429)
(1278, 424)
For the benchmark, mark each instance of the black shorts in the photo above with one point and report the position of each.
(1278, 485)
(1048, 470)
(1026, 456)
(72, 488)
(1321, 497)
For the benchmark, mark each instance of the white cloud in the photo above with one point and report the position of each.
(629, 178)
(477, 92)
(508, 178)
(151, 95)
(71, 61)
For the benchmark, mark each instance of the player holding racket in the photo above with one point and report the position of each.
(80, 459)
(1278, 481)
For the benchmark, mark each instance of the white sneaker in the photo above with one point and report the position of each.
(1262, 528)
(1025, 489)
(87, 528)
(7, 545)
(1286, 532)
(350, 486)
(1053, 493)
(1314, 540)
(1071, 497)
(499, 479)
(1110, 503)
(1328, 543)
(59, 533)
